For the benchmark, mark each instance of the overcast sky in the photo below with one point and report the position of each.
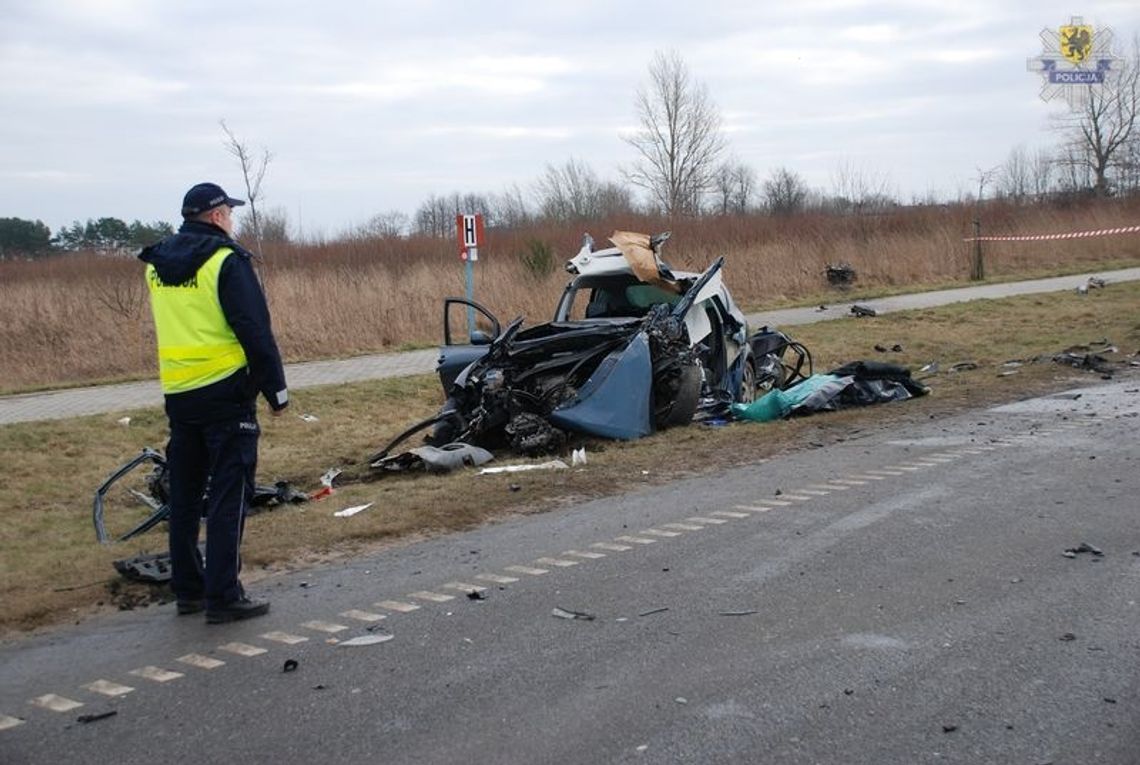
(111, 107)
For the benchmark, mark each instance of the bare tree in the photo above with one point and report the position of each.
(1128, 167)
(1099, 131)
(510, 208)
(568, 192)
(785, 192)
(385, 225)
(680, 139)
(1075, 174)
(574, 192)
(734, 186)
(436, 215)
(253, 173)
(860, 190)
(1014, 174)
(1041, 173)
(272, 226)
(985, 177)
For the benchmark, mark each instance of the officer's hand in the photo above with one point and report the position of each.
(277, 412)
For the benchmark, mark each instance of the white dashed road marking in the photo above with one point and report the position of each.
(531, 570)
(660, 533)
(155, 674)
(636, 540)
(464, 587)
(560, 562)
(362, 616)
(7, 722)
(200, 661)
(434, 597)
(284, 637)
(242, 649)
(702, 519)
(496, 578)
(753, 508)
(319, 626)
(397, 605)
(585, 554)
(683, 526)
(55, 703)
(611, 546)
(730, 514)
(107, 688)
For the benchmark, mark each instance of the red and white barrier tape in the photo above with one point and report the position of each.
(1042, 237)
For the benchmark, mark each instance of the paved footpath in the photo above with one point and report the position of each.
(75, 402)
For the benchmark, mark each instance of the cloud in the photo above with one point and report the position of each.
(39, 74)
(479, 76)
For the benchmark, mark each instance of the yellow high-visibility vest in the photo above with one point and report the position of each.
(196, 345)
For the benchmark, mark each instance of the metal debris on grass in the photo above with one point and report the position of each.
(550, 465)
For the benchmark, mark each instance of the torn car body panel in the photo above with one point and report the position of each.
(614, 401)
(633, 347)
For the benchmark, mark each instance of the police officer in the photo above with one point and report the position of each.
(216, 352)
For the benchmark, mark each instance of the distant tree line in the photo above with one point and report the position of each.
(21, 238)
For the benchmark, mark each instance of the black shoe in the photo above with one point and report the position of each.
(236, 610)
(188, 607)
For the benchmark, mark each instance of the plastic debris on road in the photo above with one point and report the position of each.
(372, 639)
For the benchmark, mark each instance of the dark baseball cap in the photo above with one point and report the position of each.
(206, 196)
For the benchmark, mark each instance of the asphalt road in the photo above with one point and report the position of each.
(899, 597)
(76, 402)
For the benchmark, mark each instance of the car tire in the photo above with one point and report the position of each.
(747, 393)
(684, 405)
(771, 375)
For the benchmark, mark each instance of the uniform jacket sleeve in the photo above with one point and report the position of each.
(244, 306)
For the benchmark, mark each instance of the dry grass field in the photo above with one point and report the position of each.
(85, 318)
(52, 569)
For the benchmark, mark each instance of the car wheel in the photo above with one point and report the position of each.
(770, 374)
(681, 409)
(747, 392)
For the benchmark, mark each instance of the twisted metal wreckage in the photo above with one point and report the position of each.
(652, 348)
(156, 567)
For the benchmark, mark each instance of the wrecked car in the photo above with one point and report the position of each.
(633, 347)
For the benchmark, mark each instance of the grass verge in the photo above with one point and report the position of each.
(51, 568)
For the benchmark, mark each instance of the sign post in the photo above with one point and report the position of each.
(470, 229)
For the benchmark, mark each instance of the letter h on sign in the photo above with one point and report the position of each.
(470, 230)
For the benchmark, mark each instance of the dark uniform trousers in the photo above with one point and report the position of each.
(212, 467)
